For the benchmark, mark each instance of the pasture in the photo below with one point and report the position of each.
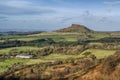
(100, 53)
(22, 48)
(6, 64)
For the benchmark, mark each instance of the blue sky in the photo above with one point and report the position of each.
(36, 15)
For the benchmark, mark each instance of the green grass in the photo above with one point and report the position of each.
(23, 48)
(37, 61)
(4, 65)
(61, 56)
(9, 62)
(100, 53)
(54, 35)
(52, 58)
(96, 43)
(1, 40)
(58, 36)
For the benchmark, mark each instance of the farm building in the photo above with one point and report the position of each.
(24, 56)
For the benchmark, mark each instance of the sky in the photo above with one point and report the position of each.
(48, 15)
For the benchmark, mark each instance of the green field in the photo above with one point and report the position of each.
(61, 56)
(100, 53)
(1, 40)
(55, 36)
(52, 58)
(9, 62)
(23, 48)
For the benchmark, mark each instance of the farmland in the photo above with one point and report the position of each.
(62, 49)
(50, 58)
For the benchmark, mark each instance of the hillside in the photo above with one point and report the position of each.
(75, 28)
(80, 69)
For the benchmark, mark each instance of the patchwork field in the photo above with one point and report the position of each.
(66, 53)
(55, 36)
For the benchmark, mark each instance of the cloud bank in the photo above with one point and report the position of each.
(56, 14)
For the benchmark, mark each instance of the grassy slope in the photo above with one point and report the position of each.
(100, 53)
(53, 57)
(23, 48)
(54, 36)
(9, 62)
(60, 36)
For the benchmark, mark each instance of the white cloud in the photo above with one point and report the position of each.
(17, 4)
(112, 3)
(17, 7)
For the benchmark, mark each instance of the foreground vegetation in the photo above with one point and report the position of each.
(84, 68)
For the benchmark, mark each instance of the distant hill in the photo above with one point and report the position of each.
(75, 28)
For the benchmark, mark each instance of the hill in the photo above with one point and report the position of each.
(75, 28)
